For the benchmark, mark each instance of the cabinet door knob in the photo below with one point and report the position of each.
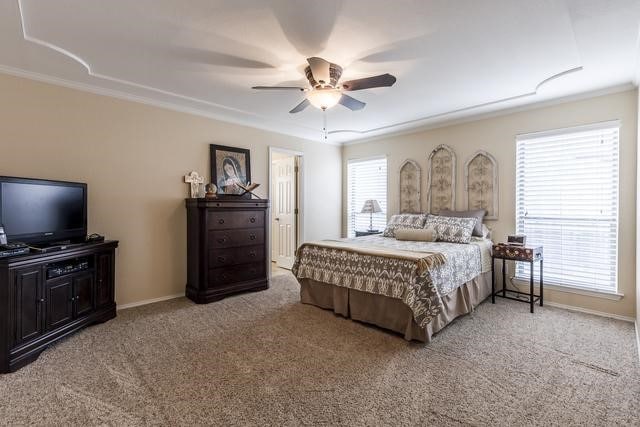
(221, 259)
(252, 254)
(222, 240)
(41, 299)
(221, 221)
(252, 237)
(252, 220)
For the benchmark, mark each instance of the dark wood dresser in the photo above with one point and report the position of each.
(226, 247)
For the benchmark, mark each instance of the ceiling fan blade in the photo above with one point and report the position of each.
(278, 88)
(320, 70)
(383, 80)
(351, 103)
(304, 104)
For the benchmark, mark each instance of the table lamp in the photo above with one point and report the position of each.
(371, 207)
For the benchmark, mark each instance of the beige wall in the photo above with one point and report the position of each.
(133, 158)
(497, 136)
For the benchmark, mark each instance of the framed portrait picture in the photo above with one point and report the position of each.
(230, 166)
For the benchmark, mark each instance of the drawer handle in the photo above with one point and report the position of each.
(252, 220)
(222, 240)
(252, 237)
(252, 254)
(221, 259)
(221, 221)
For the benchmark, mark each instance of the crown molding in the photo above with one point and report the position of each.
(249, 119)
(498, 113)
(97, 90)
(442, 116)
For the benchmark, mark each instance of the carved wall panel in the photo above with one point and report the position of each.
(410, 187)
(441, 184)
(481, 183)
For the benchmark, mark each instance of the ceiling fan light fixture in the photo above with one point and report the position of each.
(324, 98)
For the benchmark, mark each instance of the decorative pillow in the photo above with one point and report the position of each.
(451, 229)
(486, 232)
(479, 214)
(422, 235)
(404, 221)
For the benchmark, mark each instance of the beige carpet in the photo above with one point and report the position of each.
(265, 359)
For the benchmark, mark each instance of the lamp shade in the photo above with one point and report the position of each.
(371, 206)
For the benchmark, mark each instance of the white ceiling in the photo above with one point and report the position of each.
(452, 58)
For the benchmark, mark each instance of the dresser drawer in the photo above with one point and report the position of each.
(224, 220)
(233, 238)
(233, 256)
(236, 273)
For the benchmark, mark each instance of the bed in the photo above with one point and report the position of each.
(413, 288)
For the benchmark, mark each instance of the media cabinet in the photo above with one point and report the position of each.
(45, 297)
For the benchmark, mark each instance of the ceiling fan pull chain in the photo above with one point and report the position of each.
(324, 124)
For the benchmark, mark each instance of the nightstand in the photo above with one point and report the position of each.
(530, 254)
(367, 233)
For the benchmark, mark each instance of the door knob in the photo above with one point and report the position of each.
(277, 219)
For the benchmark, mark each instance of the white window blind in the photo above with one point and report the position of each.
(366, 179)
(567, 201)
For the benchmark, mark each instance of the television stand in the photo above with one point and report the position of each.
(47, 296)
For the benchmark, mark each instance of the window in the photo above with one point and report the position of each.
(366, 179)
(567, 201)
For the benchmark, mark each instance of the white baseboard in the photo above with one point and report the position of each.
(586, 310)
(149, 301)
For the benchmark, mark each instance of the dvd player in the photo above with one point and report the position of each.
(13, 249)
(4, 253)
(67, 267)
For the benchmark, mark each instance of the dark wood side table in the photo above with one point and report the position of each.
(367, 233)
(528, 254)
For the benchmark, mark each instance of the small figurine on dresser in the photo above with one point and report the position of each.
(211, 190)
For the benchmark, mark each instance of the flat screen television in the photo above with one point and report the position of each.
(37, 211)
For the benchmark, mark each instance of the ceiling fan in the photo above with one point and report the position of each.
(325, 91)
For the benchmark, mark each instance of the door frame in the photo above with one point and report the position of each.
(300, 184)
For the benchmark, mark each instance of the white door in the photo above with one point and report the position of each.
(284, 217)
